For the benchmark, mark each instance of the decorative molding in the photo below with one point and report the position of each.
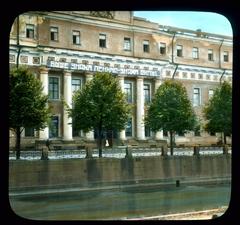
(103, 14)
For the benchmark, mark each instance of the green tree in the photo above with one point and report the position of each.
(100, 105)
(28, 105)
(171, 110)
(218, 111)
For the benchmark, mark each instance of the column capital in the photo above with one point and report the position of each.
(67, 72)
(139, 78)
(43, 70)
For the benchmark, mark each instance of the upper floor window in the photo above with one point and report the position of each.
(146, 46)
(210, 54)
(179, 50)
(196, 97)
(53, 87)
(225, 56)
(29, 30)
(128, 92)
(54, 33)
(147, 94)
(195, 53)
(127, 44)
(162, 48)
(76, 84)
(102, 40)
(210, 93)
(76, 37)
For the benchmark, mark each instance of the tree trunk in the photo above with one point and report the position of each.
(18, 142)
(224, 138)
(171, 142)
(100, 141)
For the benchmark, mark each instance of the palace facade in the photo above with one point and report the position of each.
(65, 48)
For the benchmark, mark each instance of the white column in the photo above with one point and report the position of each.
(67, 92)
(158, 134)
(140, 109)
(121, 82)
(44, 134)
(90, 134)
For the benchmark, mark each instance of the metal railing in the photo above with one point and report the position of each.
(118, 152)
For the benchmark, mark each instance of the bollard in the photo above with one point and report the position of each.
(177, 183)
(88, 152)
(128, 152)
(225, 149)
(196, 150)
(163, 150)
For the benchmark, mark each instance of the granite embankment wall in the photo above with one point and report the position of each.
(108, 171)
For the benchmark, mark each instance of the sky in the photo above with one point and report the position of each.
(206, 21)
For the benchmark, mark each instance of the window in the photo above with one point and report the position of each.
(53, 87)
(210, 93)
(146, 46)
(162, 48)
(147, 131)
(128, 130)
(147, 95)
(210, 54)
(76, 84)
(102, 40)
(127, 44)
(196, 97)
(128, 92)
(225, 56)
(179, 50)
(53, 127)
(29, 30)
(29, 132)
(195, 53)
(54, 33)
(76, 37)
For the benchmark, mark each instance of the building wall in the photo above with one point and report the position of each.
(193, 73)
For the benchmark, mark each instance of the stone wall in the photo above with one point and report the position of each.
(110, 171)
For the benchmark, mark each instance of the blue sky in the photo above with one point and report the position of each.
(206, 21)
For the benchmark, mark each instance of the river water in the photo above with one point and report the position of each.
(120, 204)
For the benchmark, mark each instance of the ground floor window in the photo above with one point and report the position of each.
(29, 132)
(128, 129)
(147, 131)
(54, 127)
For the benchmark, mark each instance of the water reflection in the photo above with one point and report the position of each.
(117, 204)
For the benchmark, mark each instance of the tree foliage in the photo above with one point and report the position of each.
(171, 110)
(27, 104)
(100, 105)
(218, 111)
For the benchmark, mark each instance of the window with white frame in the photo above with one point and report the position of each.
(54, 127)
(196, 97)
(127, 44)
(210, 55)
(53, 87)
(128, 130)
(30, 31)
(147, 93)
(76, 37)
(128, 91)
(210, 93)
(179, 50)
(29, 132)
(145, 46)
(54, 33)
(195, 53)
(162, 47)
(76, 84)
(225, 56)
(102, 40)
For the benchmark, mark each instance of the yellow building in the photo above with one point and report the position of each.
(65, 48)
